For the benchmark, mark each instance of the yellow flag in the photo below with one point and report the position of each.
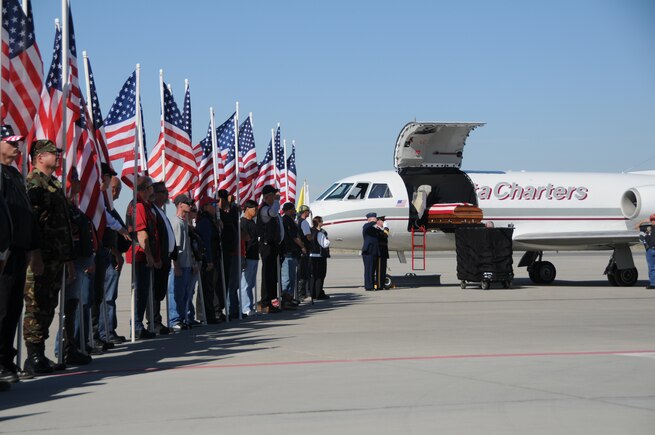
(301, 197)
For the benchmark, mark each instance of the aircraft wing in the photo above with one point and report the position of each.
(590, 238)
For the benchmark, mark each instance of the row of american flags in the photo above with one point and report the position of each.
(39, 106)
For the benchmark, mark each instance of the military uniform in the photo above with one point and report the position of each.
(41, 291)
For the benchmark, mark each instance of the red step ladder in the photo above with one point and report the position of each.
(418, 248)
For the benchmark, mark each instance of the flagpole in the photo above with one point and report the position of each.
(214, 156)
(236, 156)
(137, 141)
(286, 170)
(163, 132)
(64, 120)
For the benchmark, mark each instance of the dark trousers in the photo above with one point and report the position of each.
(211, 299)
(369, 270)
(142, 291)
(41, 298)
(303, 274)
(380, 271)
(318, 267)
(159, 290)
(12, 286)
(218, 298)
(269, 253)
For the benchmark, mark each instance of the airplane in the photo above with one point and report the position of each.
(549, 211)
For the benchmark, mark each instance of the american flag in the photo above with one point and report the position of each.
(186, 119)
(280, 168)
(96, 117)
(266, 172)
(48, 121)
(127, 174)
(227, 170)
(248, 169)
(206, 167)
(291, 175)
(174, 144)
(120, 124)
(91, 200)
(22, 68)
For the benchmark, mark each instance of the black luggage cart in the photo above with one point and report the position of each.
(484, 256)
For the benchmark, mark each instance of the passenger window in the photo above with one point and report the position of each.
(324, 194)
(379, 191)
(359, 191)
(339, 192)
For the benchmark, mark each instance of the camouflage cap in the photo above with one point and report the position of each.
(43, 146)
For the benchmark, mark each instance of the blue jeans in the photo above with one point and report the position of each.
(288, 274)
(248, 283)
(650, 259)
(179, 296)
(109, 300)
(233, 287)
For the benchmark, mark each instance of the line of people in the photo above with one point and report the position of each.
(44, 233)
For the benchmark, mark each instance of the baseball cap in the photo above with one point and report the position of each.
(371, 215)
(206, 200)
(288, 206)
(105, 169)
(7, 134)
(43, 146)
(223, 194)
(269, 189)
(182, 198)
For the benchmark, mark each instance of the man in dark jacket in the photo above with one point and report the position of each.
(370, 250)
(20, 222)
(208, 228)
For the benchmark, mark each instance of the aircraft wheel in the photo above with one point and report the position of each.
(626, 277)
(533, 272)
(388, 283)
(462, 284)
(546, 271)
(612, 279)
(484, 285)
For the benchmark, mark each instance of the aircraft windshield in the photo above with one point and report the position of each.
(324, 194)
(380, 191)
(339, 192)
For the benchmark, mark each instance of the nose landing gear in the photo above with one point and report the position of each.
(540, 272)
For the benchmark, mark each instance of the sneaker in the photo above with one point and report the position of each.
(288, 305)
(323, 297)
(144, 334)
(177, 327)
(117, 339)
(249, 313)
(22, 374)
(164, 330)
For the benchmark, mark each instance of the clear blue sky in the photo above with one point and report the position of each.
(563, 85)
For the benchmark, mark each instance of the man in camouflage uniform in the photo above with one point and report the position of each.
(42, 290)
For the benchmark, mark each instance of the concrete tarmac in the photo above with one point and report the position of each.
(575, 357)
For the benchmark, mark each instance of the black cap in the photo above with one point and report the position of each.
(223, 194)
(106, 169)
(288, 206)
(182, 198)
(269, 189)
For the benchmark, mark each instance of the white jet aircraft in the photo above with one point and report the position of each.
(549, 211)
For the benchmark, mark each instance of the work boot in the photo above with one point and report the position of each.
(77, 358)
(36, 361)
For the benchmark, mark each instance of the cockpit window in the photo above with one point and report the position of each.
(324, 194)
(379, 191)
(359, 191)
(339, 192)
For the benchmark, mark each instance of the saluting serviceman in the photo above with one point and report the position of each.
(370, 249)
(44, 274)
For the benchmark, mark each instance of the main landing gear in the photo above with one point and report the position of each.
(620, 271)
(540, 272)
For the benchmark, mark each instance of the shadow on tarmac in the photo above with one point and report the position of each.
(195, 347)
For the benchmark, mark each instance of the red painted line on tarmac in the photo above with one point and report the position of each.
(355, 360)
